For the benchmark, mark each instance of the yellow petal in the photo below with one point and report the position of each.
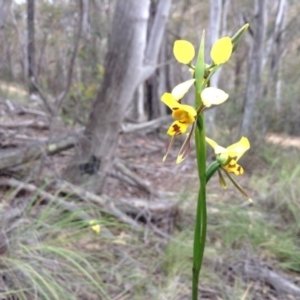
(180, 111)
(213, 96)
(181, 89)
(170, 101)
(213, 144)
(183, 51)
(94, 226)
(220, 152)
(238, 149)
(221, 50)
(177, 128)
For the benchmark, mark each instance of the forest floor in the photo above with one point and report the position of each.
(252, 250)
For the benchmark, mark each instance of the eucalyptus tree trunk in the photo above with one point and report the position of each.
(31, 44)
(217, 27)
(255, 68)
(213, 34)
(129, 61)
(156, 83)
(5, 6)
(276, 55)
(4, 11)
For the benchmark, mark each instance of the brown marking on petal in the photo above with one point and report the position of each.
(231, 165)
(234, 158)
(239, 169)
(176, 129)
(175, 108)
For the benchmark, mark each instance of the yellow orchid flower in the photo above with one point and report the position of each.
(228, 157)
(183, 114)
(221, 50)
(213, 96)
(95, 226)
(183, 51)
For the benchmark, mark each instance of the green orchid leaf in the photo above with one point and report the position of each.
(238, 36)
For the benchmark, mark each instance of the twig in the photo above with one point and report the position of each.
(43, 96)
(145, 126)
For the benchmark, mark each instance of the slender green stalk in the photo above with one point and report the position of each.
(200, 223)
(201, 214)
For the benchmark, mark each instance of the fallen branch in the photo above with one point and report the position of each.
(26, 124)
(106, 203)
(122, 209)
(255, 271)
(139, 182)
(69, 206)
(139, 209)
(17, 109)
(31, 111)
(14, 157)
(160, 213)
(146, 126)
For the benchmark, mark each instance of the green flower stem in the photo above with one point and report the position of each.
(201, 214)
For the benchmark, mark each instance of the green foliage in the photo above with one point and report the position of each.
(80, 99)
(178, 255)
(46, 258)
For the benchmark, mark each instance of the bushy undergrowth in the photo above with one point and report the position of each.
(52, 254)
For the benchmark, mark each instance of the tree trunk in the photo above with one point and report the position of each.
(4, 11)
(152, 84)
(163, 76)
(22, 46)
(277, 51)
(254, 80)
(124, 71)
(213, 35)
(30, 44)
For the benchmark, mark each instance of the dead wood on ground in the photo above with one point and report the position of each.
(13, 157)
(69, 206)
(254, 270)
